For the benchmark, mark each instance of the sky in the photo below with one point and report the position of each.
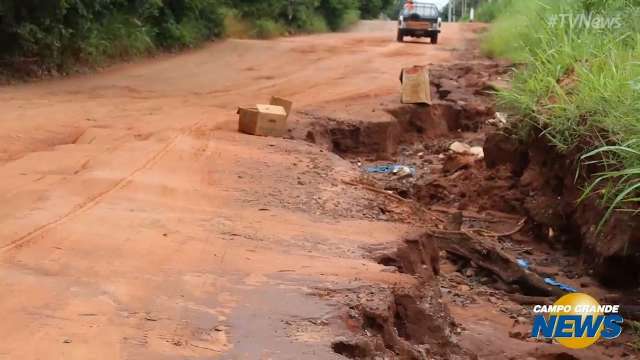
(440, 3)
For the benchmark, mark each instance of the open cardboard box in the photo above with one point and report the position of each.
(416, 86)
(265, 120)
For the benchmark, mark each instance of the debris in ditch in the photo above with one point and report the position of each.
(457, 162)
(498, 85)
(500, 120)
(489, 216)
(495, 235)
(404, 171)
(486, 254)
(462, 148)
(376, 190)
(459, 147)
(522, 263)
(398, 170)
(554, 282)
(478, 151)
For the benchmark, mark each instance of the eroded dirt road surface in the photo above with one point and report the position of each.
(137, 223)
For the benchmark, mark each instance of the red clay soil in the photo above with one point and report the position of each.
(508, 192)
(137, 223)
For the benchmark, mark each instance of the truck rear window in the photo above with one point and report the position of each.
(428, 11)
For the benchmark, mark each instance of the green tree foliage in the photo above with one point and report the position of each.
(371, 9)
(337, 12)
(59, 34)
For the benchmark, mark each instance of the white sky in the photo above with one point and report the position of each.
(440, 3)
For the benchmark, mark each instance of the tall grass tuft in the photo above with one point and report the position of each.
(268, 29)
(580, 84)
(490, 10)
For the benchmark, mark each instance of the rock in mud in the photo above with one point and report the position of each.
(359, 348)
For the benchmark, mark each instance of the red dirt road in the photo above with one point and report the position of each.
(136, 223)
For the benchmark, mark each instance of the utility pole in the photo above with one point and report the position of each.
(464, 8)
(451, 5)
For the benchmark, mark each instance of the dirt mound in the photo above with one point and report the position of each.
(353, 127)
(403, 322)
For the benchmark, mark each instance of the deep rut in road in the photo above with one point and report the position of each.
(475, 213)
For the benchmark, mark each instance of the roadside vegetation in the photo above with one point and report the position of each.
(57, 36)
(490, 10)
(578, 83)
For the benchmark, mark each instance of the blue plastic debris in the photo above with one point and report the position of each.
(380, 169)
(554, 282)
(523, 263)
(390, 169)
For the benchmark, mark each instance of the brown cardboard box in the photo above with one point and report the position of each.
(263, 120)
(266, 120)
(416, 87)
(286, 104)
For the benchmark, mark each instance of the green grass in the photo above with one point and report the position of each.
(315, 24)
(64, 35)
(238, 28)
(580, 85)
(489, 11)
(510, 35)
(311, 23)
(268, 29)
(349, 19)
(235, 26)
(118, 37)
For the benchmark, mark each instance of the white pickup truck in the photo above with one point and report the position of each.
(419, 19)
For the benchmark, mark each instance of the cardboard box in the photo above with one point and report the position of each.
(286, 104)
(416, 87)
(265, 120)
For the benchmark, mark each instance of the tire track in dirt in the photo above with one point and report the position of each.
(94, 200)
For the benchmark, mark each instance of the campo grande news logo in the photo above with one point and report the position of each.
(577, 321)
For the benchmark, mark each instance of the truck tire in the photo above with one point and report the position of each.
(400, 36)
(434, 39)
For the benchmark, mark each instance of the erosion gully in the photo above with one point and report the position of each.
(474, 218)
